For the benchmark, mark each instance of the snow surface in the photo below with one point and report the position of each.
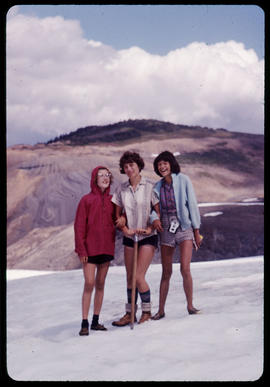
(224, 343)
(250, 200)
(16, 274)
(246, 203)
(216, 213)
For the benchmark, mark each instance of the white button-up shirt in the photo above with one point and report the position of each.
(136, 204)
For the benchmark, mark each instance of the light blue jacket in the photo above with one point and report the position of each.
(186, 202)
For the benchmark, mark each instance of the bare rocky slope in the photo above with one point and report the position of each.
(46, 181)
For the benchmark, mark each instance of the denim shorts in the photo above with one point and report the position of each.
(169, 239)
(152, 240)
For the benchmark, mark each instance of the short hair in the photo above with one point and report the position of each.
(169, 157)
(131, 157)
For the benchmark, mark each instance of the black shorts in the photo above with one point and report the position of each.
(152, 240)
(102, 258)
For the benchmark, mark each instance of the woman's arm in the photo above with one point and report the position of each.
(193, 206)
(157, 223)
(198, 238)
(194, 213)
(121, 221)
(80, 225)
(155, 214)
(120, 218)
(129, 232)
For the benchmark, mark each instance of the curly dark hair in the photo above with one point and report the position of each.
(131, 157)
(169, 157)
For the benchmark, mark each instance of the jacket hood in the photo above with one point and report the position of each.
(93, 185)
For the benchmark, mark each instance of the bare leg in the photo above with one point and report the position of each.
(129, 253)
(186, 255)
(89, 283)
(145, 256)
(102, 271)
(166, 258)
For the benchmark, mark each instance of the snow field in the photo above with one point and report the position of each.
(224, 343)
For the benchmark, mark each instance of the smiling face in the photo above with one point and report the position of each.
(103, 179)
(164, 168)
(131, 170)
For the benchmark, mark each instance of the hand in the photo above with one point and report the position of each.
(157, 225)
(120, 222)
(129, 232)
(144, 231)
(198, 239)
(83, 259)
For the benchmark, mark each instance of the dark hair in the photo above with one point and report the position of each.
(131, 157)
(169, 157)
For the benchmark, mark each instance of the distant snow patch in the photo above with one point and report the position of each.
(214, 213)
(250, 200)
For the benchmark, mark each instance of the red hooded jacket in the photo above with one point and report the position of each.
(94, 222)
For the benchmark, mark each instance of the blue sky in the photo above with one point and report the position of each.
(159, 29)
(70, 66)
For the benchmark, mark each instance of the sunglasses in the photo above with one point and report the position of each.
(108, 174)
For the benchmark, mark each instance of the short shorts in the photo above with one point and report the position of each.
(102, 258)
(169, 239)
(152, 240)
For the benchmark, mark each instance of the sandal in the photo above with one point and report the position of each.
(158, 316)
(194, 311)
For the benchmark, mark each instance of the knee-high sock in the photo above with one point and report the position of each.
(129, 291)
(146, 296)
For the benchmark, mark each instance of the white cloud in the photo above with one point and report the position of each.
(58, 81)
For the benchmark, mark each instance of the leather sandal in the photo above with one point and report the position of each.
(194, 311)
(158, 316)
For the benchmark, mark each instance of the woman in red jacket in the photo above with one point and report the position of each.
(94, 243)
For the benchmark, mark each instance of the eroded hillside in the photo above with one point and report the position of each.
(45, 182)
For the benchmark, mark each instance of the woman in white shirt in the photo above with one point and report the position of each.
(135, 199)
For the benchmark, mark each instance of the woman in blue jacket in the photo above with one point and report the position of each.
(179, 224)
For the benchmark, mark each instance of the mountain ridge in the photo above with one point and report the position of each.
(138, 129)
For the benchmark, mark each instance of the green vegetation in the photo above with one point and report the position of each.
(131, 129)
(248, 158)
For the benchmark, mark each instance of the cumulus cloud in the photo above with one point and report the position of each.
(58, 81)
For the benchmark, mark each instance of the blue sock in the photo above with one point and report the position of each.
(146, 296)
(129, 292)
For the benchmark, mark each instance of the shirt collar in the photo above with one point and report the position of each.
(142, 181)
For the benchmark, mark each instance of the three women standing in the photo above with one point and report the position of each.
(176, 218)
